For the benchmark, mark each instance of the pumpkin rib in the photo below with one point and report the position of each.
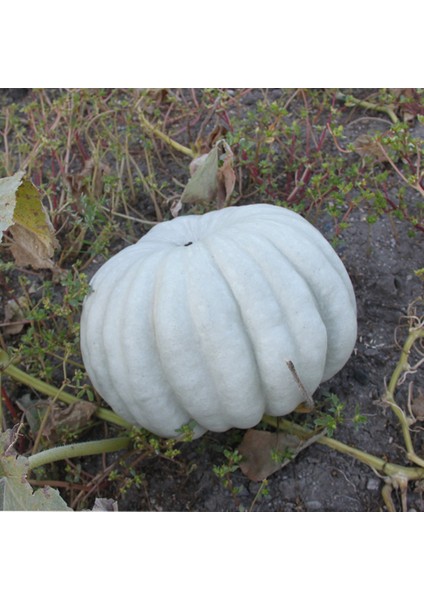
(117, 395)
(268, 322)
(145, 367)
(169, 339)
(228, 406)
(95, 352)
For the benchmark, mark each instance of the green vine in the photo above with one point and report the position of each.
(7, 367)
(80, 449)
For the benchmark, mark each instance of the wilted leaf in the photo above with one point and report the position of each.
(209, 181)
(8, 189)
(56, 419)
(199, 161)
(203, 185)
(408, 103)
(205, 145)
(226, 180)
(176, 207)
(70, 418)
(34, 240)
(33, 411)
(15, 491)
(264, 452)
(90, 180)
(366, 145)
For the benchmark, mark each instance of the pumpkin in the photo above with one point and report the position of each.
(195, 323)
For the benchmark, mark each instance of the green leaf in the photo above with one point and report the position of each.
(15, 491)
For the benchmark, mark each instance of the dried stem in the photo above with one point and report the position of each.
(165, 138)
(401, 368)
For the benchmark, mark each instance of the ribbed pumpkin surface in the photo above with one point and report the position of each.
(197, 320)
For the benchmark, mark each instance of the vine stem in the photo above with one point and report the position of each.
(80, 449)
(417, 187)
(164, 137)
(402, 367)
(351, 101)
(376, 463)
(49, 390)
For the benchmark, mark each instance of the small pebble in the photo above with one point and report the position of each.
(373, 485)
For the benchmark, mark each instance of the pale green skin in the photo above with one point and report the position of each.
(173, 333)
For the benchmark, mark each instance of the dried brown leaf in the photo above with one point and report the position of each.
(69, 418)
(409, 103)
(226, 180)
(90, 180)
(205, 144)
(264, 452)
(366, 146)
(54, 418)
(29, 250)
(176, 207)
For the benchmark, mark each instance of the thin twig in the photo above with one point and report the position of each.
(307, 396)
(165, 138)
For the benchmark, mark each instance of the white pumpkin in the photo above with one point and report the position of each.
(196, 322)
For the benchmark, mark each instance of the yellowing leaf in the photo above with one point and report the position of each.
(23, 214)
(33, 235)
(8, 189)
